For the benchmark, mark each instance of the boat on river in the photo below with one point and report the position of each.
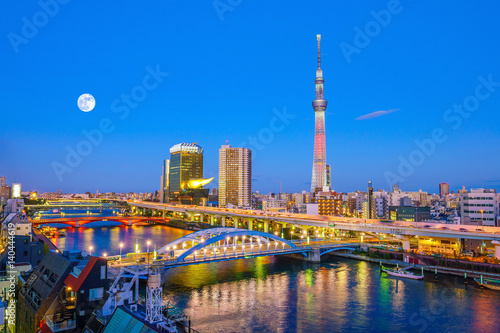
(49, 231)
(402, 273)
(489, 283)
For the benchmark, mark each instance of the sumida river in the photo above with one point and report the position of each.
(272, 294)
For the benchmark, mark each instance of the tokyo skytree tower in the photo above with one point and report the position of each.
(319, 172)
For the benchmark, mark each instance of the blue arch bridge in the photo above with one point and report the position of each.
(223, 244)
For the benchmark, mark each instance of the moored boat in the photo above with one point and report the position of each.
(402, 273)
(489, 283)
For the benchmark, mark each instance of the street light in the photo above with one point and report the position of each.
(90, 249)
(121, 247)
(291, 235)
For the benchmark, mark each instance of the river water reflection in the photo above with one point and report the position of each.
(270, 294)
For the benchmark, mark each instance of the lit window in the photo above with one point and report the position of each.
(95, 294)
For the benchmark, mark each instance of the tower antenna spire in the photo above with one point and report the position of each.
(319, 50)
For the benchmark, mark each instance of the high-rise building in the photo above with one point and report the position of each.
(319, 173)
(186, 163)
(370, 201)
(444, 189)
(165, 182)
(3, 181)
(235, 176)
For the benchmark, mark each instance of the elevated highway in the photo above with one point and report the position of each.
(81, 221)
(399, 228)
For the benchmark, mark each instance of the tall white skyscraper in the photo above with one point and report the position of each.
(235, 176)
(165, 182)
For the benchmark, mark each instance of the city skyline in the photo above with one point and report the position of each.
(156, 175)
(384, 96)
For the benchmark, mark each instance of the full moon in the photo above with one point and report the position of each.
(86, 102)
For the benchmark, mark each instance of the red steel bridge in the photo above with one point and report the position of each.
(81, 221)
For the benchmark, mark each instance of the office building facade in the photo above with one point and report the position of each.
(480, 207)
(235, 176)
(186, 163)
(410, 214)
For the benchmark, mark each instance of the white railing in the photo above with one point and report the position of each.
(59, 327)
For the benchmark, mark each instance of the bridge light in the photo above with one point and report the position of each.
(168, 248)
(175, 246)
(104, 255)
(121, 245)
(276, 233)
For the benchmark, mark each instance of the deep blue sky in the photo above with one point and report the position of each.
(226, 77)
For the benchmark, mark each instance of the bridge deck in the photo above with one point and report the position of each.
(247, 253)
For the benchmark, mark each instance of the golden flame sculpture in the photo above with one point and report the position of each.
(197, 183)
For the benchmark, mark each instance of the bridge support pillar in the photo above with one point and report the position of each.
(77, 224)
(497, 248)
(314, 255)
(201, 217)
(212, 218)
(235, 219)
(406, 245)
(163, 214)
(192, 216)
(266, 226)
(223, 221)
(250, 224)
(129, 222)
(405, 241)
